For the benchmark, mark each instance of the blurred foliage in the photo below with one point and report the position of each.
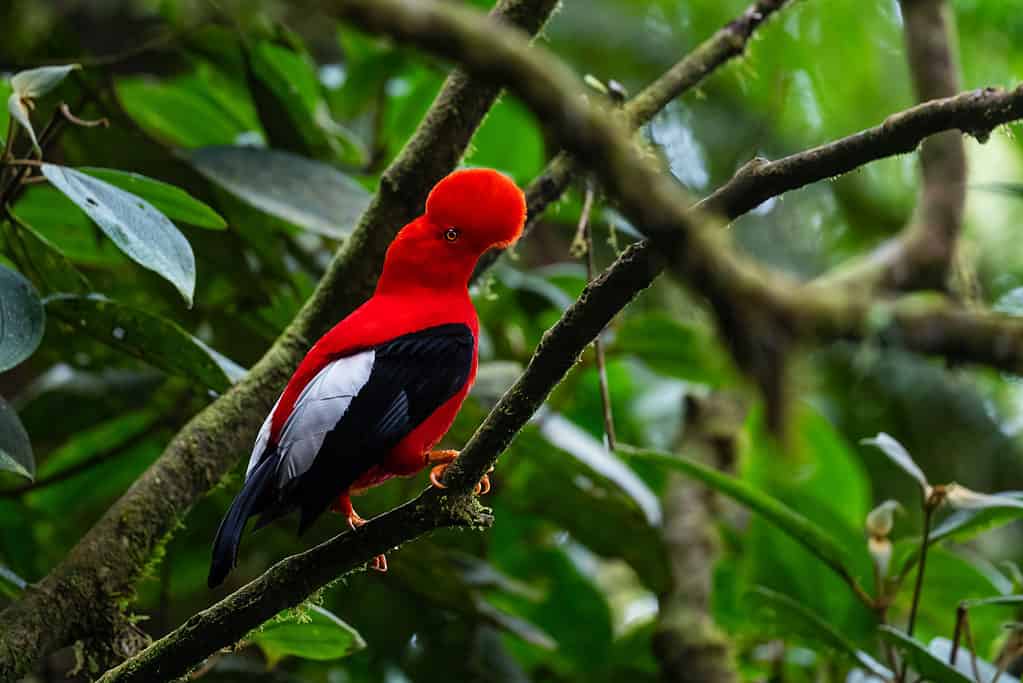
(258, 132)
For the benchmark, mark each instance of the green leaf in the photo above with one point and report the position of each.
(5, 93)
(306, 193)
(50, 268)
(673, 348)
(134, 225)
(798, 527)
(996, 600)
(572, 439)
(315, 634)
(184, 112)
(107, 455)
(21, 318)
(801, 620)
(600, 500)
(15, 447)
(158, 341)
(172, 201)
(920, 658)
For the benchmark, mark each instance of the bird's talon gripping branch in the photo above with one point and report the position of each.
(441, 460)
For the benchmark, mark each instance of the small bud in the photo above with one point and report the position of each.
(881, 552)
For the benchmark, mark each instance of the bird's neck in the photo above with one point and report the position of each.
(405, 273)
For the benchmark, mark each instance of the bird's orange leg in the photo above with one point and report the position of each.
(343, 505)
(440, 461)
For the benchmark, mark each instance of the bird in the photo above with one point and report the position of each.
(373, 396)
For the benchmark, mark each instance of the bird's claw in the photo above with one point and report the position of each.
(355, 521)
(436, 474)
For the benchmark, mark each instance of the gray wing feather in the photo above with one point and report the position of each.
(322, 403)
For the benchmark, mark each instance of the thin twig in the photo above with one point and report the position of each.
(582, 245)
(973, 649)
(957, 633)
(918, 586)
(66, 111)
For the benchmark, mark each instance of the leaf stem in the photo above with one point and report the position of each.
(957, 633)
(918, 586)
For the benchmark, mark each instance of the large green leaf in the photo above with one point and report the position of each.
(314, 633)
(183, 112)
(798, 527)
(158, 341)
(21, 318)
(306, 193)
(798, 619)
(673, 348)
(134, 225)
(48, 266)
(925, 663)
(600, 500)
(15, 447)
(172, 201)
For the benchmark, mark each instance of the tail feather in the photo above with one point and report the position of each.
(229, 535)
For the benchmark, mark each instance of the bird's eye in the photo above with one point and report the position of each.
(451, 234)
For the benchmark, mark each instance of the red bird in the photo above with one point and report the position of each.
(376, 393)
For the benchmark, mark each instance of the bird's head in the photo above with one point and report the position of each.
(467, 213)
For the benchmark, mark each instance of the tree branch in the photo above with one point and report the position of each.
(80, 595)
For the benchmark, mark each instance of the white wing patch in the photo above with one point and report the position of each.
(321, 404)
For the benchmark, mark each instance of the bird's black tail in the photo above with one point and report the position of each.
(229, 535)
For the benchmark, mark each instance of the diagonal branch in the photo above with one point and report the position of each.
(79, 596)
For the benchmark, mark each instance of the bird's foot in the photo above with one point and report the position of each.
(441, 459)
(344, 506)
(354, 520)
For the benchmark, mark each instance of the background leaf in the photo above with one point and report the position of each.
(134, 225)
(172, 201)
(159, 342)
(305, 193)
(314, 633)
(15, 447)
(921, 659)
(21, 318)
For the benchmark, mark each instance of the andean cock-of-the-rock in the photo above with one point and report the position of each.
(376, 393)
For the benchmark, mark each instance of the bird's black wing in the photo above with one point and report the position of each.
(346, 421)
